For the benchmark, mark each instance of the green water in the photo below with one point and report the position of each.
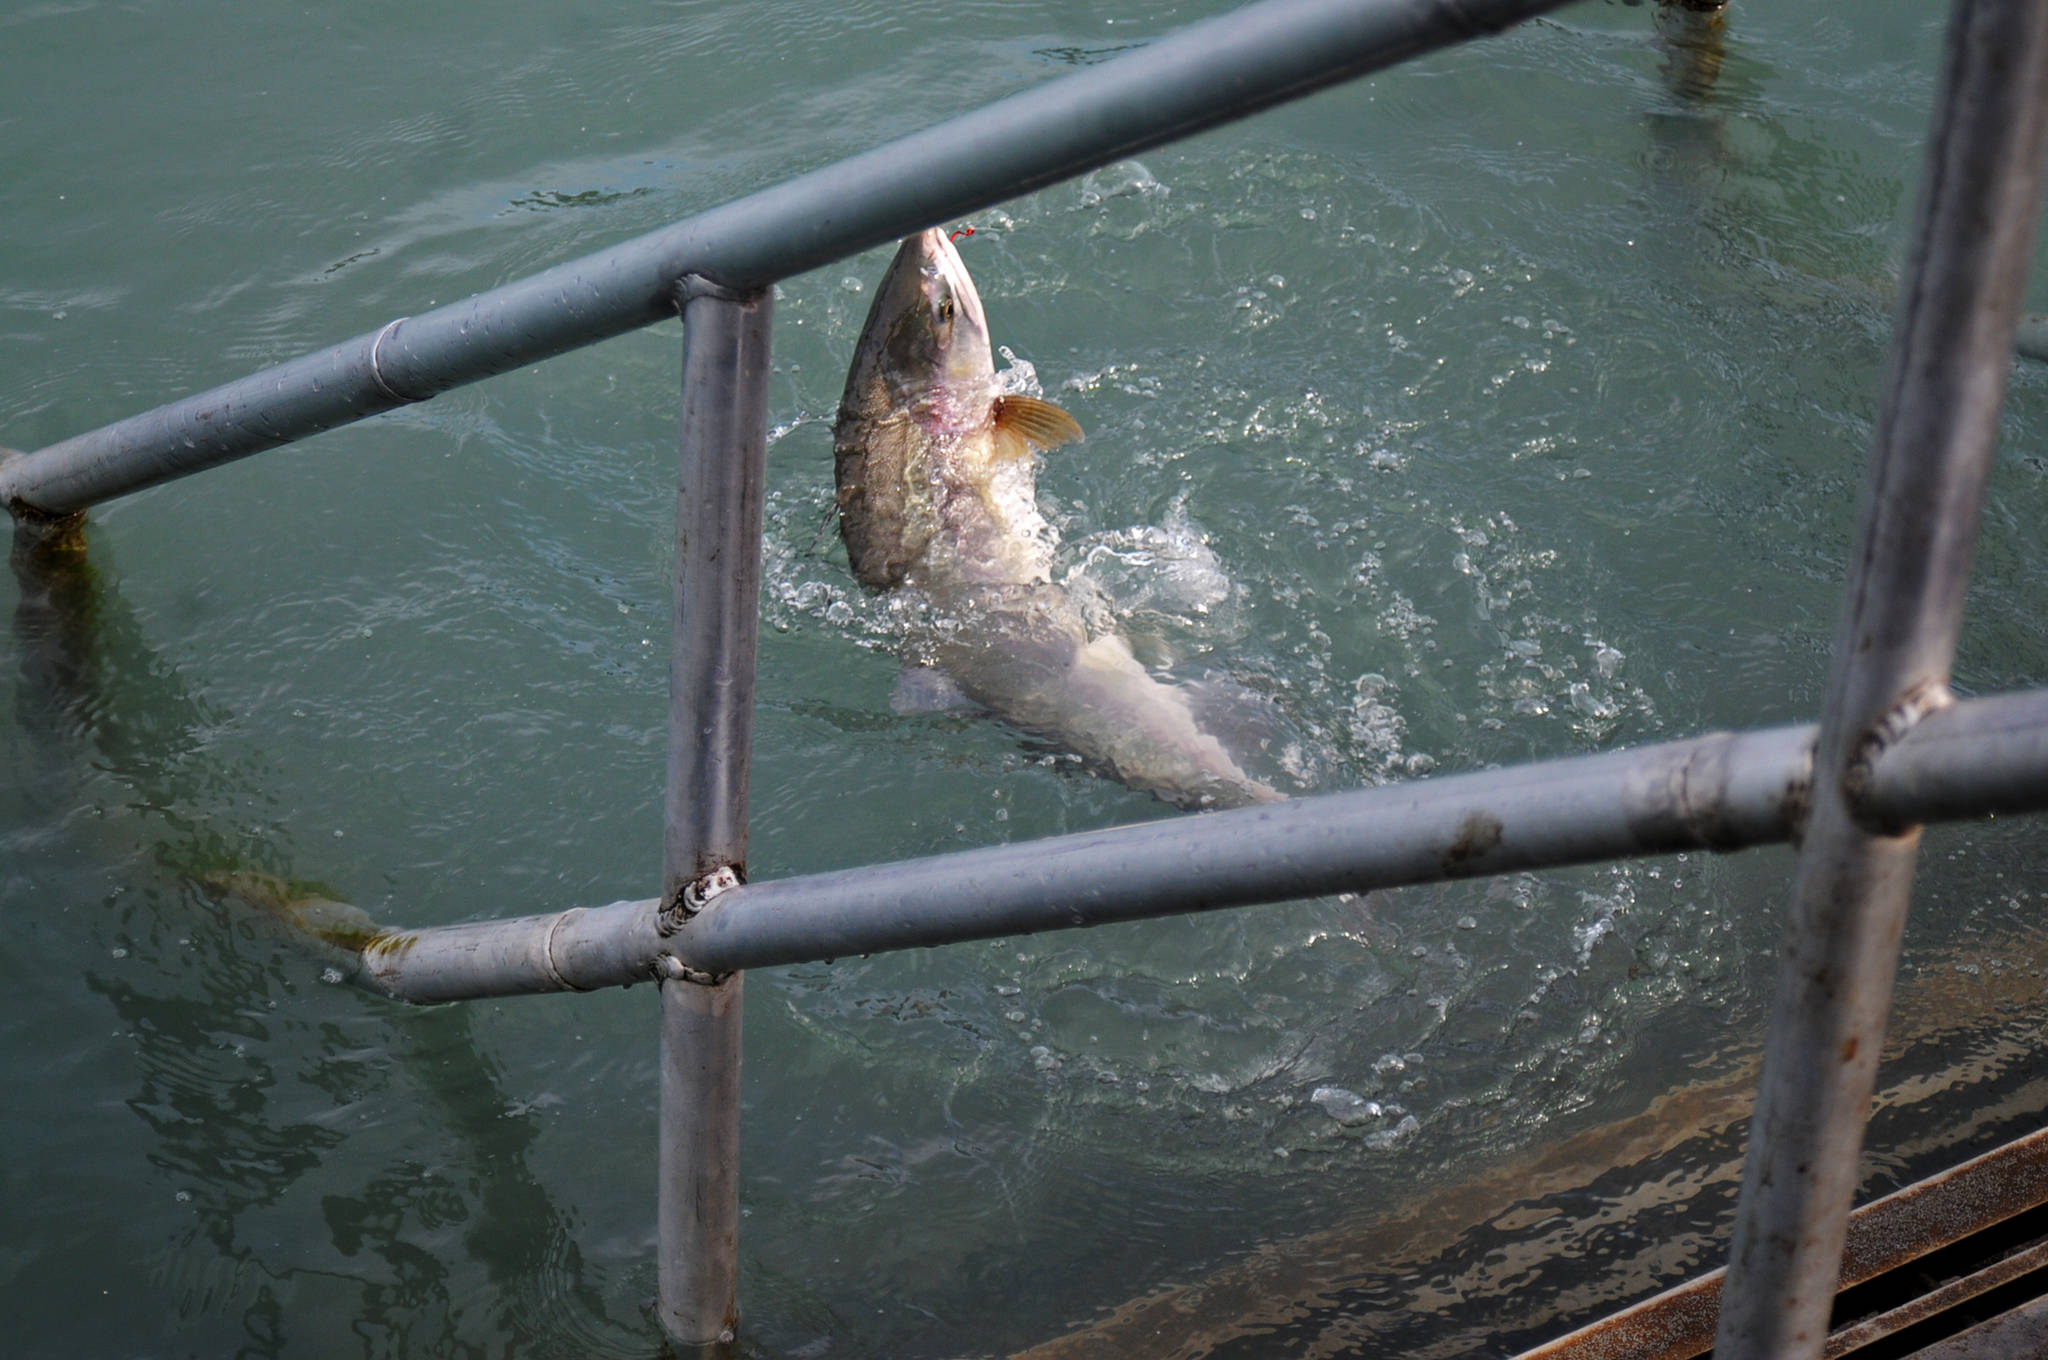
(1503, 406)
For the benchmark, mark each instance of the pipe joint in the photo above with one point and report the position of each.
(38, 523)
(669, 968)
(383, 384)
(547, 952)
(693, 286)
(1893, 726)
(677, 911)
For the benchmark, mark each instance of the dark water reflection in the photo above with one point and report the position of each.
(263, 1105)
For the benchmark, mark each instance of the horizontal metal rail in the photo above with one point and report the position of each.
(1197, 78)
(1721, 792)
(1977, 758)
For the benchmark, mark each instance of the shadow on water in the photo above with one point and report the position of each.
(246, 1097)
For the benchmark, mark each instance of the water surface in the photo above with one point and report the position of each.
(1501, 407)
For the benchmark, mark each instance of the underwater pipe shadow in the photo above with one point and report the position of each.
(97, 701)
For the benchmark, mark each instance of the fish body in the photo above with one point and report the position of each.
(936, 495)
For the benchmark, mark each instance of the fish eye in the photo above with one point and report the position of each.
(946, 308)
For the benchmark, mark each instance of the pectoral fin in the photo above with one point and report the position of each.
(1024, 423)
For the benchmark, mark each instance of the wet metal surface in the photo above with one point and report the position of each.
(1884, 1235)
(2023, 1331)
(1937, 1301)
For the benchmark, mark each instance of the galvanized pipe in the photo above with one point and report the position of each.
(578, 950)
(1717, 792)
(1721, 791)
(1895, 644)
(1199, 77)
(697, 1290)
(720, 498)
(1967, 760)
(720, 494)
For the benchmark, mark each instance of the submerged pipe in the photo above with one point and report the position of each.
(1695, 38)
(1719, 792)
(1930, 459)
(1201, 76)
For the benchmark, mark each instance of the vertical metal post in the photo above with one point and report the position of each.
(719, 500)
(1893, 650)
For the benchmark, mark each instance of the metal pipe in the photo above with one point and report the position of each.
(1718, 792)
(1895, 644)
(1721, 791)
(1973, 759)
(697, 1294)
(1199, 77)
(720, 494)
(578, 950)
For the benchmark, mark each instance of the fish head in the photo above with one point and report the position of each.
(928, 334)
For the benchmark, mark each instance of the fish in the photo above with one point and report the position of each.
(936, 496)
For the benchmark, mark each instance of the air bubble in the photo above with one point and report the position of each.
(1346, 1107)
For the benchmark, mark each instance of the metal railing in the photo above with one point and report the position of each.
(1892, 750)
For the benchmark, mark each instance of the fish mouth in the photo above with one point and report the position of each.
(935, 252)
(936, 258)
